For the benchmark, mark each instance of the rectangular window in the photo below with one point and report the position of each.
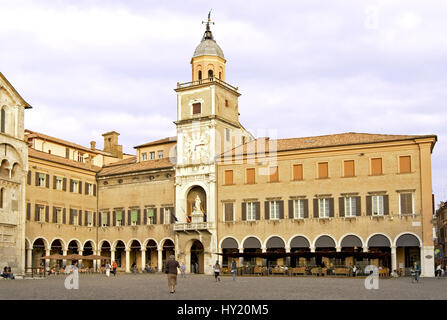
(76, 186)
(41, 180)
(89, 218)
(350, 207)
(144, 156)
(59, 215)
(323, 170)
(406, 203)
(227, 134)
(376, 166)
(160, 154)
(152, 154)
(377, 205)
(41, 214)
(166, 215)
(251, 176)
(348, 166)
(323, 208)
(80, 157)
(104, 219)
(67, 153)
(405, 164)
(196, 108)
(228, 177)
(251, 211)
(274, 174)
(134, 217)
(150, 215)
(228, 207)
(59, 183)
(297, 172)
(274, 210)
(89, 190)
(298, 209)
(119, 217)
(75, 218)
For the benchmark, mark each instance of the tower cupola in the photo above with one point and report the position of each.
(208, 60)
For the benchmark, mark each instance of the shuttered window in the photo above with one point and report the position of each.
(228, 208)
(349, 170)
(251, 176)
(377, 205)
(119, 217)
(196, 108)
(297, 172)
(41, 180)
(104, 219)
(150, 215)
(405, 164)
(376, 166)
(134, 214)
(89, 218)
(228, 177)
(274, 210)
(323, 170)
(323, 208)
(298, 209)
(406, 203)
(274, 174)
(75, 217)
(350, 207)
(251, 211)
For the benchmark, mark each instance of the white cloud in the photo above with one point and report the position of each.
(317, 66)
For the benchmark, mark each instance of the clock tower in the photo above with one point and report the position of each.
(207, 125)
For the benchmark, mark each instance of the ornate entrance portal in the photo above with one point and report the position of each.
(197, 257)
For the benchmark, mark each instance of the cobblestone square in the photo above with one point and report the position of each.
(200, 287)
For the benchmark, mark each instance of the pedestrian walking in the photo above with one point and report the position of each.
(216, 269)
(354, 270)
(183, 268)
(134, 268)
(415, 272)
(108, 269)
(114, 266)
(234, 269)
(171, 271)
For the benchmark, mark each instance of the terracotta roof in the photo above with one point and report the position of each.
(133, 166)
(342, 139)
(157, 142)
(34, 134)
(33, 153)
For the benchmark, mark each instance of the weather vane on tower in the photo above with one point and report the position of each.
(208, 34)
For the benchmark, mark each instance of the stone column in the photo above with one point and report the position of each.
(143, 259)
(47, 261)
(393, 259)
(338, 249)
(288, 258)
(64, 261)
(241, 259)
(112, 255)
(160, 259)
(312, 249)
(127, 260)
(29, 258)
(80, 261)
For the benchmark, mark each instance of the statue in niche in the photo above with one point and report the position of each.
(197, 206)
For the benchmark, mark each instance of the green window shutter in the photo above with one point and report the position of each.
(119, 215)
(150, 213)
(134, 215)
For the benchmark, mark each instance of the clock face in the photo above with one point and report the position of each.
(196, 147)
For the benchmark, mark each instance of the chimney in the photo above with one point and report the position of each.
(93, 145)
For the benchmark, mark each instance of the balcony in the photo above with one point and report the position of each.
(204, 81)
(198, 226)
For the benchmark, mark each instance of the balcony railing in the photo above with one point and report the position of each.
(192, 226)
(209, 80)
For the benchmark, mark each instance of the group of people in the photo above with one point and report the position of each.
(111, 268)
(7, 273)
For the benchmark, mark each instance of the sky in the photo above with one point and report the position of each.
(303, 67)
